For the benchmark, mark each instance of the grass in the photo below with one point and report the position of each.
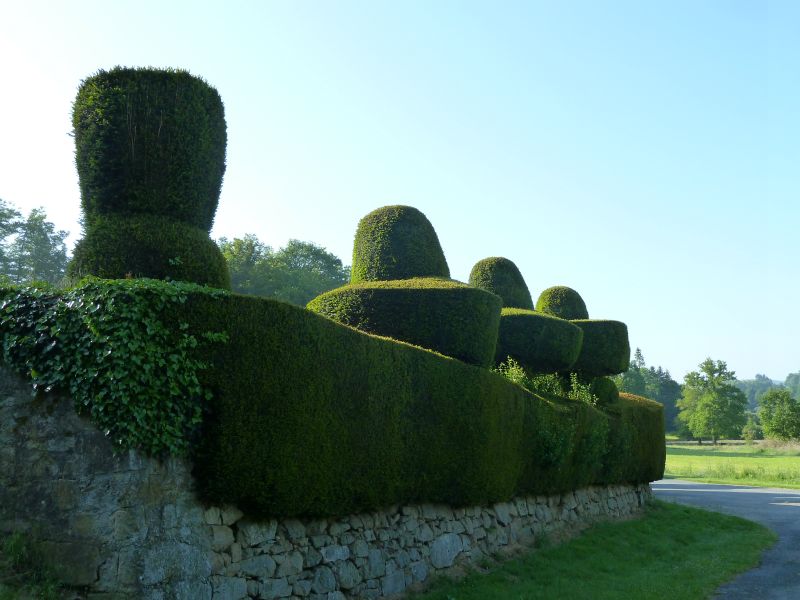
(674, 551)
(21, 576)
(765, 463)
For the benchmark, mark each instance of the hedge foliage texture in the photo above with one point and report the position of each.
(605, 350)
(540, 342)
(502, 277)
(562, 302)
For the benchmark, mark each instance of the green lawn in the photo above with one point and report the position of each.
(756, 464)
(672, 552)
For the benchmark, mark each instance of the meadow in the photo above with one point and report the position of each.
(763, 463)
(673, 551)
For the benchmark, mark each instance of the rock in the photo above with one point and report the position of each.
(503, 512)
(393, 584)
(230, 514)
(212, 516)
(221, 537)
(324, 580)
(334, 553)
(275, 588)
(376, 565)
(292, 565)
(347, 575)
(229, 588)
(360, 548)
(294, 529)
(253, 533)
(260, 565)
(301, 587)
(444, 550)
(419, 571)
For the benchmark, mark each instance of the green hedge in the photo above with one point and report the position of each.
(439, 314)
(605, 351)
(149, 141)
(562, 302)
(502, 277)
(396, 242)
(310, 418)
(149, 246)
(540, 343)
(605, 390)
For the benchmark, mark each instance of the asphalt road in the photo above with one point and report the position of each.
(778, 577)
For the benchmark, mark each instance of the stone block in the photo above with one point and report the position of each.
(347, 575)
(254, 533)
(221, 537)
(393, 583)
(274, 588)
(444, 550)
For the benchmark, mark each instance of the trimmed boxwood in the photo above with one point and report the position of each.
(149, 246)
(540, 343)
(606, 350)
(149, 141)
(396, 242)
(447, 316)
(502, 277)
(604, 389)
(310, 418)
(563, 302)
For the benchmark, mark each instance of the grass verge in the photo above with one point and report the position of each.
(673, 551)
(763, 464)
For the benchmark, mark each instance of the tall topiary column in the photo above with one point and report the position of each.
(150, 152)
(400, 288)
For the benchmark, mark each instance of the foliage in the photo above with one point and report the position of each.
(375, 422)
(551, 384)
(296, 274)
(604, 389)
(562, 302)
(705, 548)
(114, 346)
(752, 430)
(30, 249)
(22, 567)
(438, 314)
(755, 388)
(148, 246)
(711, 406)
(605, 349)
(651, 382)
(502, 277)
(540, 342)
(149, 142)
(779, 414)
(792, 383)
(396, 242)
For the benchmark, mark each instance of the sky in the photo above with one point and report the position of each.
(643, 153)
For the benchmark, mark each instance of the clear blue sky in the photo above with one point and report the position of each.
(643, 153)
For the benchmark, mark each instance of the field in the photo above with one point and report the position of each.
(760, 464)
(673, 552)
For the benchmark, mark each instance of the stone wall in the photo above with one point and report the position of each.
(127, 527)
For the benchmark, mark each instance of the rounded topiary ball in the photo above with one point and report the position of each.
(148, 246)
(396, 242)
(562, 302)
(149, 141)
(502, 277)
(605, 390)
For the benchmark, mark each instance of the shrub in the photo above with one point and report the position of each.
(302, 416)
(540, 342)
(396, 242)
(148, 246)
(605, 390)
(149, 141)
(563, 302)
(439, 314)
(605, 350)
(502, 277)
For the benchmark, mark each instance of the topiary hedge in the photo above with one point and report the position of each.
(562, 302)
(605, 351)
(396, 242)
(502, 277)
(540, 343)
(150, 153)
(439, 314)
(148, 246)
(149, 141)
(305, 417)
(605, 390)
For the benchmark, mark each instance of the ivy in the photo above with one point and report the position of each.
(110, 345)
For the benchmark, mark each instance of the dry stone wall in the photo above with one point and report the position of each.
(123, 526)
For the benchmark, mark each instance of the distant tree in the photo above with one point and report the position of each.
(296, 273)
(654, 383)
(792, 383)
(32, 249)
(711, 405)
(755, 388)
(752, 430)
(780, 415)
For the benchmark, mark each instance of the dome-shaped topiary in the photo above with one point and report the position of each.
(605, 351)
(605, 390)
(149, 246)
(150, 153)
(396, 242)
(562, 302)
(447, 316)
(149, 141)
(502, 277)
(540, 343)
